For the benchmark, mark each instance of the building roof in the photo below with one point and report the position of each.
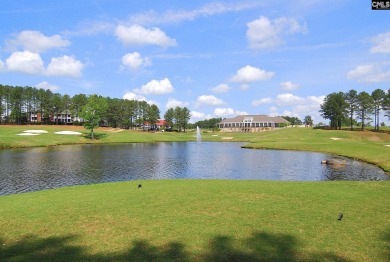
(255, 118)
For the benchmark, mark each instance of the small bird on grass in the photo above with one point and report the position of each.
(340, 216)
(139, 186)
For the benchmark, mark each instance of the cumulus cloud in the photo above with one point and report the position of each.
(138, 35)
(197, 115)
(172, 103)
(25, 62)
(156, 87)
(222, 88)
(132, 96)
(297, 106)
(288, 99)
(288, 86)
(64, 66)
(266, 33)
(249, 74)
(35, 41)
(262, 101)
(370, 73)
(381, 43)
(134, 61)
(45, 85)
(208, 101)
(227, 112)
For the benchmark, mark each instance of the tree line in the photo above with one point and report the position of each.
(346, 108)
(19, 105)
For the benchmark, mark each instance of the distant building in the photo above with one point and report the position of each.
(252, 123)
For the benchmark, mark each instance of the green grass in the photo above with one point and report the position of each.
(198, 220)
(368, 146)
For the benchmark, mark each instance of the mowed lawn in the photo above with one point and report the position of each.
(203, 220)
(199, 220)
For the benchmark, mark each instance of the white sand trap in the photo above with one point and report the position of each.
(27, 134)
(36, 131)
(335, 138)
(67, 133)
(387, 145)
(227, 137)
(214, 135)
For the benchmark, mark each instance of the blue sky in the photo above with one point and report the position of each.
(218, 58)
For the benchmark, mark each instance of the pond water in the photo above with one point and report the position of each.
(24, 170)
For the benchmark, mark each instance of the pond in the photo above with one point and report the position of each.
(24, 170)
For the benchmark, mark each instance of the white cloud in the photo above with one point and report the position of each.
(222, 88)
(172, 103)
(273, 109)
(197, 115)
(25, 62)
(176, 16)
(208, 100)
(45, 85)
(244, 87)
(249, 74)
(381, 43)
(2, 66)
(262, 101)
(370, 73)
(138, 35)
(289, 113)
(227, 112)
(266, 33)
(35, 41)
(288, 100)
(134, 61)
(156, 87)
(132, 96)
(299, 106)
(288, 86)
(64, 66)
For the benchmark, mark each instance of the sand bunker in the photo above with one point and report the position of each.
(227, 137)
(67, 133)
(387, 145)
(27, 134)
(36, 131)
(335, 138)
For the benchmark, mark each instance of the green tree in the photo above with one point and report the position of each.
(169, 117)
(76, 108)
(153, 114)
(66, 104)
(308, 121)
(378, 97)
(386, 104)
(365, 107)
(334, 108)
(352, 101)
(93, 111)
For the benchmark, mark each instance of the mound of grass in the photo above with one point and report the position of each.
(198, 220)
(368, 146)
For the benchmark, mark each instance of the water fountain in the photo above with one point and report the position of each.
(198, 135)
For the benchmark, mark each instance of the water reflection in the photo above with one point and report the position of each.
(25, 170)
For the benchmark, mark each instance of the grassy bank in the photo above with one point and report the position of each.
(368, 146)
(192, 220)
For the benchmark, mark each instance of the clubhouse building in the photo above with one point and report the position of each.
(252, 123)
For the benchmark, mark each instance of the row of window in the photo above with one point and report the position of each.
(227, 125)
